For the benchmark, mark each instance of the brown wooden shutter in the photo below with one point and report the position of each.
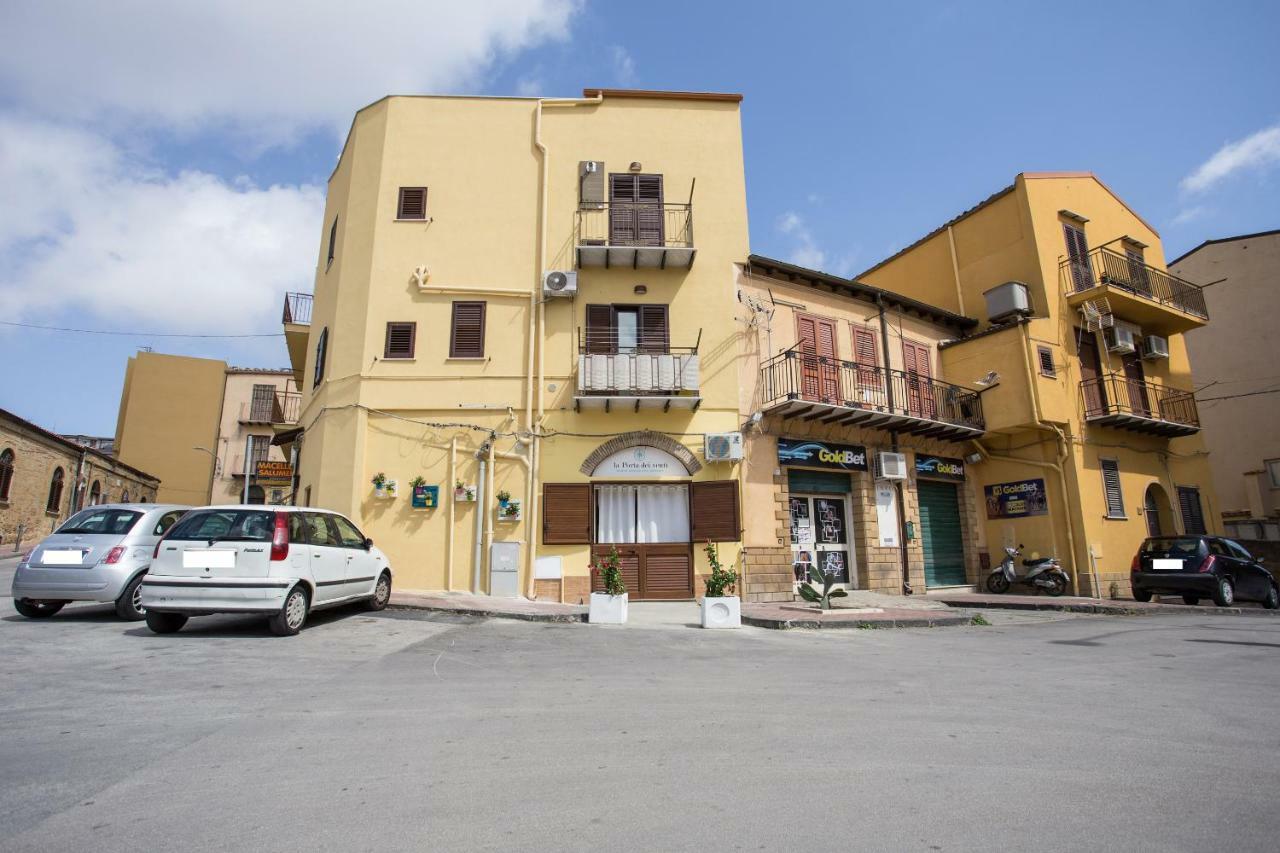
(1078, 252)
(654, 334)
(333, 238)
(1192, 512)
(401, 340)
(602, 331)
(566, 513)
(1111, 487)
(1047, 367)
(413, 203)
(713, 511)
(466, 337)
(867, 356)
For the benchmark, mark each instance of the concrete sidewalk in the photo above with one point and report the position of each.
(1105, 606)
(467, 604)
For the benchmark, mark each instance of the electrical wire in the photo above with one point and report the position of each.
(134, 334)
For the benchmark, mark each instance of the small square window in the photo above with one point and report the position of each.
(413, 203)
(1047, 367)
(401, 338)
(1273, 470)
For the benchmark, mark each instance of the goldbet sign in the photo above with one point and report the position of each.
(822, 454)
(939, 467)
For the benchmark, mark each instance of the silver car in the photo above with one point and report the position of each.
(99, 554)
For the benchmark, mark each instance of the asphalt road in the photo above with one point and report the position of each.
(399, 731)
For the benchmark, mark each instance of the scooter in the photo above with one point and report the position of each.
(1043, 573)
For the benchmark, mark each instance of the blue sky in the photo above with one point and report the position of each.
(171, 178)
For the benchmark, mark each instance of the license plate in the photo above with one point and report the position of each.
(208, 559)
(63, 558)
(1166, 565)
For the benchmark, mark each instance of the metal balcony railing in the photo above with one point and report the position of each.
(636, 224)
(279, 408)
(1140, 405)
(855, 393)
(608, 365)
(297, 308)
(1104, 267)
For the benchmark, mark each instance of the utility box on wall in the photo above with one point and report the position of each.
(504, 569)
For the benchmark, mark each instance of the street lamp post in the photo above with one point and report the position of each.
(213, 471)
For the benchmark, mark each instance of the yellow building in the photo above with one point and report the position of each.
(1092, 436)
(529, 299)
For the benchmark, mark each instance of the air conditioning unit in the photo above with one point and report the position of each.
(722, 446)
(1122, 338)
(559, 283)
(891, 466)
(1154, 346)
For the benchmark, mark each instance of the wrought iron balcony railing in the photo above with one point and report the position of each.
(1104, 267)
(281, 407)
(1139, 405)
(645, 373)
(297, 308)
(831, 390)
(634, 234)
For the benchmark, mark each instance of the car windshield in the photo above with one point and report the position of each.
(99, 520)
(225, 525)
(1172, 546)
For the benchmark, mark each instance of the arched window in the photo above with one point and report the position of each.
(55, 491)
(322, 349)
(6, 473)
(95, 493)
(124, 496)
(257, 495)
(142, 499)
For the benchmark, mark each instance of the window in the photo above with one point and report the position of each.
(1111, 486)
(1192, 513)
(333, 239)
(297, 529)
(627, 329)
(867, 356)
(466, 335)
(124, 496)
(259, 445)
(1078, 253)
(248, 525)
(169, 519)
(646, 514)
(55, 491)
(635, 210)
(1273, 471)
(1047, 368)
(318, 532)
(1237, 550)
(106, 521)
(262, 403)
(348, 536)
(95, 493)
(6, 473)
(566, 513)
(322, 349)
(401, 338)
(413, 203)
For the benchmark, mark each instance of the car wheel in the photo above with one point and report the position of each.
(289, 620)
(1057, 585)
(37, 609)
(1272, 601)
(1225, 594)
(129, 604)
(997, 583)
(381, 593)
(165, 623)
(1193, 600)
(1141, 595)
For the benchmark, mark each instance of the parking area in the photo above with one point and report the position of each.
(404, 730)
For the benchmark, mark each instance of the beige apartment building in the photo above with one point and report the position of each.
(1237, 360)
(198, 421)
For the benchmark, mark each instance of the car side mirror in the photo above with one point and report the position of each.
(368, 543)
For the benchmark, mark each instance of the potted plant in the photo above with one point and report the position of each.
(504, 498)
(463, 492)
(608, 607)
(721, 607)
(389, 489)
(509, 511)
(380, 485)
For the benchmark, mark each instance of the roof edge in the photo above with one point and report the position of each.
(71, 445)
(728, 97)
(1218, 240)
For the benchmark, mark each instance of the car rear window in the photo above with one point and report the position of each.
(1172, 546)
(225, 525)
(112, 521)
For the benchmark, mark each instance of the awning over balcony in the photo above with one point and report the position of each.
(635, 236)
(1139, 406)
(830, 391)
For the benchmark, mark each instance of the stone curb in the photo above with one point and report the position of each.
(1105, 609)
(801, 622)
(491, 614)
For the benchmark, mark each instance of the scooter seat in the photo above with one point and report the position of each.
(1039, 561)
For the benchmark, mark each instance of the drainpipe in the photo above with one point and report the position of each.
(477, 558)
(448, 542)
(893, 438)
(486, 512)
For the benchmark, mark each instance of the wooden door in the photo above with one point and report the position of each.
(1078, 254)
(871, 386)
(1095, 395)
(1136, 381)
(635, 210)
(919, 375)
(652, 572)
(819, 374)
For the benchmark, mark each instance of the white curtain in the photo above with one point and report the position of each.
(615, 514)
(663, 514)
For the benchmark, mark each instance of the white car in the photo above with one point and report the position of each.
(280, 561)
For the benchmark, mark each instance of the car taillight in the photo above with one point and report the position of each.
(114, 555)
(280, 539)
(1207, 565)
(1136, 565)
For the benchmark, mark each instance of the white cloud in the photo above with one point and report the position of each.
(85, 226)
(1190, 214)
(530, 86)
(624, 65)
(805, 250)
(271, 68)
(1256, 151)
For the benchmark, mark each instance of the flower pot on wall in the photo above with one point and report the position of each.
(722, 612)
(607, 609)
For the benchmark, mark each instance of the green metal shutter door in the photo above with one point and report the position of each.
(940, 534)
(819, 482)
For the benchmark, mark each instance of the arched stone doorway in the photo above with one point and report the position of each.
(257, 495)
(1158, 511)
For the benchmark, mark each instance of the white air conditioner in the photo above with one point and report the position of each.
(722, 446)
(559, 283)
(1154, 346)
(891, 466)
(1122, 338)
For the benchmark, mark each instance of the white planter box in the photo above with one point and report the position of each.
(607, 609)
(725, 612)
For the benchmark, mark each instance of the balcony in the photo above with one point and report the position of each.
(279, 409)
(635, 236)
(1158, 302)
(1139, 406)
(631, 378)
(297, 326)
(841, 392)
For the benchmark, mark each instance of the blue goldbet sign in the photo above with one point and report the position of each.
(822, 454)
(1019, 499)
(939, 467)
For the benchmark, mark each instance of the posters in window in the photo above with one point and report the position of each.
(1019, 499)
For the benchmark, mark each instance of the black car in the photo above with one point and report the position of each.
(1197, 567)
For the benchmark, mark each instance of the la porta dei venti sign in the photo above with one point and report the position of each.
(642, 461)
